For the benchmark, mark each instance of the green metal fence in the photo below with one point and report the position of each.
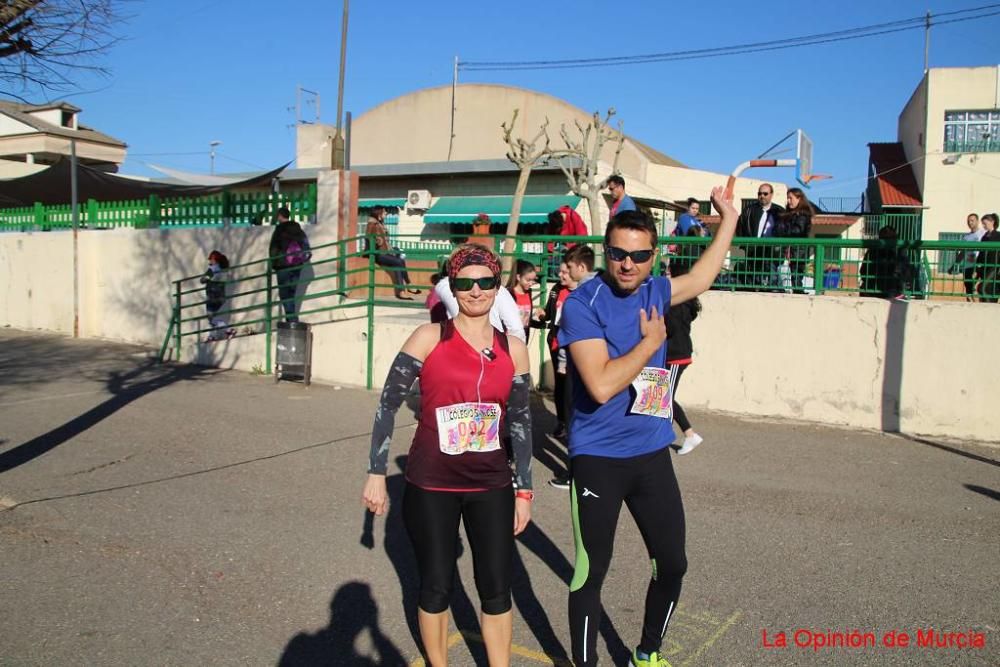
(343, 276)
(235, 208)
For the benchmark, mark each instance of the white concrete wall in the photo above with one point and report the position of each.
(126, 275)
(840, 360)
(847, 360)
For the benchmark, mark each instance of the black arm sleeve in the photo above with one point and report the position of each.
(519, 423)
(404, 372)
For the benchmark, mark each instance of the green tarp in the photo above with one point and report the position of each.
(463, 210)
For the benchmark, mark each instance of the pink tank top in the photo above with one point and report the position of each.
(451, 374)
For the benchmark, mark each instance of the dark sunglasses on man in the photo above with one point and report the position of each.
(619, 255)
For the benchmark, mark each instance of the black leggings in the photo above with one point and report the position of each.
(431, 519)
(648, 487)
(560, 389)
(679, 417)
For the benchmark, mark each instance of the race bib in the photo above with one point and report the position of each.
(469, 427)
(652, 393)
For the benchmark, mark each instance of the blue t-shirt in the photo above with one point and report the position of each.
(593, 310)
(686, 222)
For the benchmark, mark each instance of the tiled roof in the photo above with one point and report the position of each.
(20, 113)
(896, 183)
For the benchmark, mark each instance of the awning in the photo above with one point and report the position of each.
(535, 209)
(52, 186)
(384, 202)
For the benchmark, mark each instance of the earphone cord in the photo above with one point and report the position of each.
(479, 382)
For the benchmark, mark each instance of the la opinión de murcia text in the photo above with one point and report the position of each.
(826, 640)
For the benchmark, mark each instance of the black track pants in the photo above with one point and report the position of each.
(648, 487)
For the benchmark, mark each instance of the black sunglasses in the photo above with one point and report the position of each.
(763, 194)
(619, 255)
(465, 284)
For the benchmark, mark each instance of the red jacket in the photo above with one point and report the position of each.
(573, 225)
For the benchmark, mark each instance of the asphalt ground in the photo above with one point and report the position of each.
(176, 515)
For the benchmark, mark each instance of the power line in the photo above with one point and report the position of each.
(914, 23)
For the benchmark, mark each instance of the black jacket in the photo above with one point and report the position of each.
(679, 318)
(750, 217)
(886, 272)
(794, 226)
(283, 234)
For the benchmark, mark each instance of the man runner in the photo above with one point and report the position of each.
(621, 423)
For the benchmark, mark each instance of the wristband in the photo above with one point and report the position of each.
(526, 494)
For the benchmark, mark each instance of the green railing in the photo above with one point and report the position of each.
(908, 226)
(342, 276)
(235, 208)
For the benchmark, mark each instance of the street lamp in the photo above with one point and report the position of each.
(211, 155)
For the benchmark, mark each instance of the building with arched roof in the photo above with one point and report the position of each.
(449, 143)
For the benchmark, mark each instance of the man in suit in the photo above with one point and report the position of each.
(759, 220)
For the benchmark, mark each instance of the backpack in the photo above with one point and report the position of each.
(297, 253)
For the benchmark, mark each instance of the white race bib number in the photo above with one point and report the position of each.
(469, 427)
(652, 393)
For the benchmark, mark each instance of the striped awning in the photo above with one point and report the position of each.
(535, 209)
(384, 202)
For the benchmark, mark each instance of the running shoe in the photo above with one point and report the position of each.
(560, 482)
(690, 443)
(654, 660)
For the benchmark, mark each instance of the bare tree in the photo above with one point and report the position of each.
(584, 180)
(42, 42)
(526, 155)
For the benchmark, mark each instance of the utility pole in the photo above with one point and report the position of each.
(454, 87)
(338, 141)
(74, 201)
(927, 42)
(211, 155)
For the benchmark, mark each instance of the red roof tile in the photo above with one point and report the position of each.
(896, 183)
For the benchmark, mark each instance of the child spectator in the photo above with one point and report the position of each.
(215, 295)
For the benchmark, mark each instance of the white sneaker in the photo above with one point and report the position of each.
(690, 443)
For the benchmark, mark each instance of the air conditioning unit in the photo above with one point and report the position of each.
(418, 199)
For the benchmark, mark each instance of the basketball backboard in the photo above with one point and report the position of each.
(804, 158)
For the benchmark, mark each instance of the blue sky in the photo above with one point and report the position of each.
(189, 72)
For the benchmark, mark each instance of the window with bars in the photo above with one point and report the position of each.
(972, 131)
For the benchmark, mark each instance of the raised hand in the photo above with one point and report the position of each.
(723, 203)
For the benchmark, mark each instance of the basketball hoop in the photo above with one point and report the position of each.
(802, 162)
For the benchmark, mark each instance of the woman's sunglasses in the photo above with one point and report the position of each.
(465, 284)
(619, 255)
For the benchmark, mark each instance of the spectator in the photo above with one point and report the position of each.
(433, 303)
(759, 220)
(796, 223)
(886, 271)
(619, 200)
(289, 251)
(388, 257)
(564, 221)
(580, 263)
(560, 394)
(967, 260)
(689, 218)
(680, 352)
(988, 262)
(215, 295)
(520, 284)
